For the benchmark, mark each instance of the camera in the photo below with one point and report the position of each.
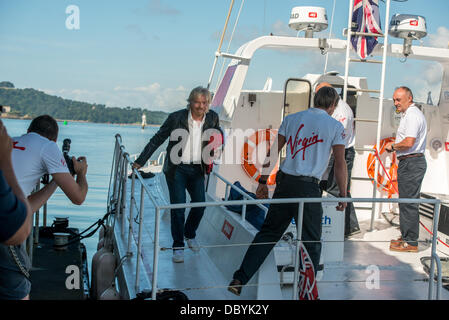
(68, 159)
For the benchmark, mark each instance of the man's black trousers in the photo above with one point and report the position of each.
(279, 217)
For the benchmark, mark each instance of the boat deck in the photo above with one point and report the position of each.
(368, 270)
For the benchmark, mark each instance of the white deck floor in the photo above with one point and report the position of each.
(401, 275)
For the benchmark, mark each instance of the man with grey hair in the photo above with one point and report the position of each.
(409, 146)
(188, 155)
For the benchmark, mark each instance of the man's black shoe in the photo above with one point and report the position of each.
(235, 287)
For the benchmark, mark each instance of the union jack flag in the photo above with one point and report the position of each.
(308, 289)
(365, 18)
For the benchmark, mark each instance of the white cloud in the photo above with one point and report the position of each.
(440, 39)
(428, 81)
(280, 28)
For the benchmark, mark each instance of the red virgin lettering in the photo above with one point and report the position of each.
(17, 147)
(301, 143)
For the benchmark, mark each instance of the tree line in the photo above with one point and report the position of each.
(32, 103)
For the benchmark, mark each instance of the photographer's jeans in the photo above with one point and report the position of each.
(187, 177)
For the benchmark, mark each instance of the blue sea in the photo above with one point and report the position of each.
(95, 142)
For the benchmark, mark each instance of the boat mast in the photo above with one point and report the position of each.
(217, 54)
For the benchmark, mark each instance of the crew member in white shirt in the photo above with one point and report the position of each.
(35, 154)
(343, 113)
(409, 146)
(309, 137)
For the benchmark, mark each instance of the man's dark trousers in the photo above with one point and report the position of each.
(190, 177)
(410, 175)
(351, 222)
(279, 217)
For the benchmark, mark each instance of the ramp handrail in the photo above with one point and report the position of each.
(118, 198)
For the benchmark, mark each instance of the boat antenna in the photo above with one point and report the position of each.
(217, 54)
(229, 44)
(330, 33)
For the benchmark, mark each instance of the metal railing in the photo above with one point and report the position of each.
(117, 201)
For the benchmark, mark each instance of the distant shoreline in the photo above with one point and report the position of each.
(82, 121)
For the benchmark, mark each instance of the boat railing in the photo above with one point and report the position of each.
(117, 202)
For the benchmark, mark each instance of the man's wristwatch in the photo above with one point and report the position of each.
(392, 147)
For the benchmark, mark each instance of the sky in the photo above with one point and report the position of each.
(151, 53)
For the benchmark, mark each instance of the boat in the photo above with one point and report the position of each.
(135, 244)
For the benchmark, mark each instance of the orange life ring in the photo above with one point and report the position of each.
(390, 186)
(250, 146)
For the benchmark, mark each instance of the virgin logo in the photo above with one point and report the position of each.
(15, 146)
(302, 144)
(414, 23)
(313, 15)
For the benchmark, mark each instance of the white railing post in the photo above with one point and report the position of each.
(125, 181)
(434, 256)
(156, 253)
(244, 210)
(228, 187)
(139, 241)
(131, 217)
(297, 248)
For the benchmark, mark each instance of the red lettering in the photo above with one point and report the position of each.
(446, 144)
(17, 147)
(304, 143)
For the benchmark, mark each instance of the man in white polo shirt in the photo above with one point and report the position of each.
(309, 137)
(343, 113)
(409, 146)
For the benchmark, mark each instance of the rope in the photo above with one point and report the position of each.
(80, 236)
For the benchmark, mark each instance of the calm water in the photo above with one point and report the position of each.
(96, 142)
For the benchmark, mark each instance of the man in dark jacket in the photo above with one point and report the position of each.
(188, 155)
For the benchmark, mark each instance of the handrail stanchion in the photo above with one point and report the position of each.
(125, 181)
(436, 213)
(156, 253)
(139, 241)
(297, 248)
(131, 205)
(244, 211)
(228, 187)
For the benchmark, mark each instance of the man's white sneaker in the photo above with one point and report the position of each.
(193, 244)
(178, 256)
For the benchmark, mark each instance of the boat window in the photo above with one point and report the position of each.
(296, 96)
(351, 99)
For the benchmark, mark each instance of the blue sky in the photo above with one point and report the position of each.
(151, 53)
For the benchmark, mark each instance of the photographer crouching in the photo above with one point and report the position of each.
(34, 155)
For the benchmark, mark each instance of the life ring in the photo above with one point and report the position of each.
(248, 152)
(391, 183)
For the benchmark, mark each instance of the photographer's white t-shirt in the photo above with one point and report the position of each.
(33, 156)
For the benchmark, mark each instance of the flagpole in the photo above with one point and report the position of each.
(348, 48)
(330, 34)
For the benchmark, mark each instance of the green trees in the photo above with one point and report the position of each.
(33, 103)
(6, 84)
